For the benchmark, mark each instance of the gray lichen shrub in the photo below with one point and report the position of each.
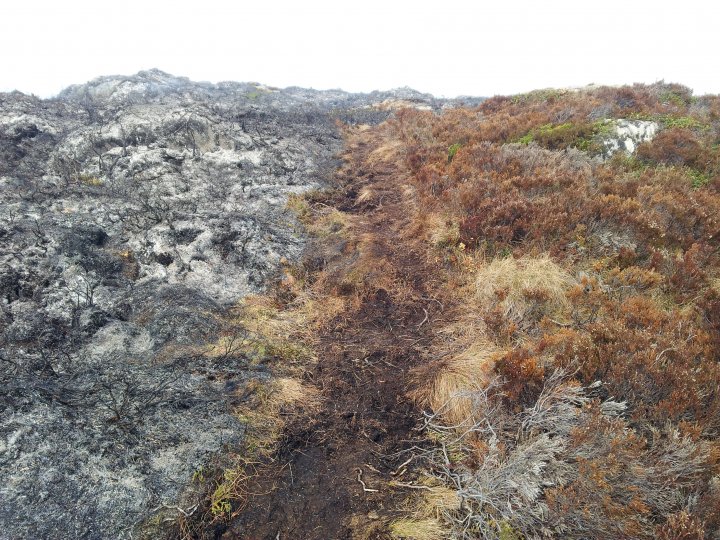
(567, 466)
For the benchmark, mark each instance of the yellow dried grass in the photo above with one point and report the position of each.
(448, 392)
(386, 153)
(516, 281)
(443, 232)
(438, 500)
(715, 284)
(366, 195)
(286, 391)
(418, 529)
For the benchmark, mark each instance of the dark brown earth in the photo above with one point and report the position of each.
(366, 422)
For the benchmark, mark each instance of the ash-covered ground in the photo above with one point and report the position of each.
(134, 211)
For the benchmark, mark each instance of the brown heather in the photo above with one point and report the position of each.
(576, 388)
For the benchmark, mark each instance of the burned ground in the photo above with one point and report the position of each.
(135, 212)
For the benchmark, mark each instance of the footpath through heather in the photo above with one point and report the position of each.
(336, 471)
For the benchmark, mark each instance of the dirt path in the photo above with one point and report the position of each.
(363, 376)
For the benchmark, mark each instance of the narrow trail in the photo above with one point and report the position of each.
(335, 467)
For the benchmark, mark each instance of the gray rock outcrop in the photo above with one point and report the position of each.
(626, 135)
(133, 212)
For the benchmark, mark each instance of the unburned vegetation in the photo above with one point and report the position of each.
(575, 395)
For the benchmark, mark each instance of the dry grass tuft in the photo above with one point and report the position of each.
(282, 334)
(270, 406)
(438, 501)
(418, 529)
(522, 285)
(425, 510)
(388, 152)
(425, 514)
(715, 284)
(367, 195)
(286, 391)
(448, 392)
(328, 223)
(442, 232)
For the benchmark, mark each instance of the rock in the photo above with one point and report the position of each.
(628, 135)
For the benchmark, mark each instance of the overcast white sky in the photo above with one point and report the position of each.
(447, 47)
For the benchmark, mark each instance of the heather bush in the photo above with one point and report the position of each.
(588, 405)
(675, 146)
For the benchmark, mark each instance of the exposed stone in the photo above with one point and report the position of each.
(628, 134)
(133, 212)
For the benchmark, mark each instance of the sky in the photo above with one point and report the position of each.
(448, 48)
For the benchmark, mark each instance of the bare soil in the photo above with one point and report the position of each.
(366, 420)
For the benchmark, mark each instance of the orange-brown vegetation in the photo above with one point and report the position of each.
(574, 389)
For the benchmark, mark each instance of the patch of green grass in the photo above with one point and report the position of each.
(547, 94)
(583, 136)
(508, 533)
(604, 127)
(628, 162)
(699, 179)
(452, 150)
(549, 129)
(228, 489)
(542, 133)
(592, 142)
(685, 122)
(671, 121)
(673, 98)
(199, 475)
(526, 139)
(504, 253)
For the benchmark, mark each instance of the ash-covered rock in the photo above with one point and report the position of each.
(133, 212)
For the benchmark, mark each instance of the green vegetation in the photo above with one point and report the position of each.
(300, 206)
(227, 490)
(673, 121)
(583, 136)
(674, 98)
(684, 122)
(538, 96)
(699, 179)
(508, 533)
(452, 150)
(199, 475)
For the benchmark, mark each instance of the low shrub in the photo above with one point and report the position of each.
(580, 397)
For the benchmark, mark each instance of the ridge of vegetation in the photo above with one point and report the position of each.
(578, 396)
